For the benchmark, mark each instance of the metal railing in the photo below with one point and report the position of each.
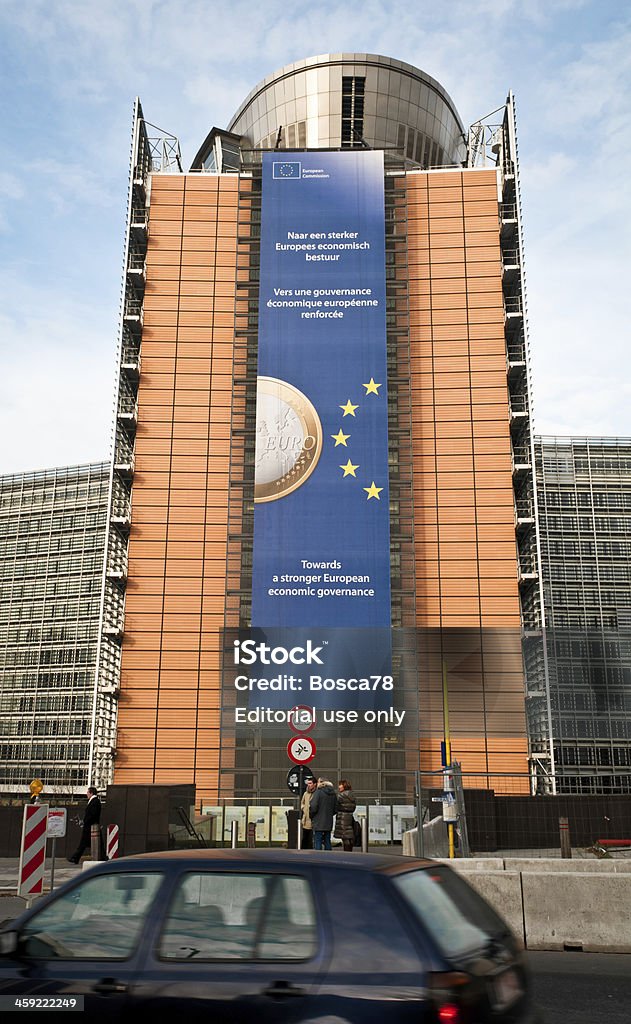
(524, 509)
(516, 352)
(519, 405)
(513, 305)
(521, 455)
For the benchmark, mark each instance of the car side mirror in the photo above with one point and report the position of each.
(9, 943)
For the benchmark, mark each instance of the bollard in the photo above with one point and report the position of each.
(564, 834)
(95, 842)
(251, 835)
(365, 834)
(234, 834)
(299, 843)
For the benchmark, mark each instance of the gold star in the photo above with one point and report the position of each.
(371, 387)
(373, 491)
(340, 438)
(349, 469)
(349, 408)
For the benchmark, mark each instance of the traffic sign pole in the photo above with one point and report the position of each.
(301, 789)
(55, 829)
(52, 863)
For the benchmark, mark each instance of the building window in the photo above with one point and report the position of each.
(352, 111)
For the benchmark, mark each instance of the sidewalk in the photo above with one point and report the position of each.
(9, 873)
(10, 904)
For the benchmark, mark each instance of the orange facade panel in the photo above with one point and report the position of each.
(459, 390)
(182, 466)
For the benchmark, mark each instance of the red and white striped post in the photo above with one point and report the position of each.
(33, 851)
(111, 845)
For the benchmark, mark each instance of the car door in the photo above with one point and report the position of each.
(236, 946)
(379, 970)
(85, 941)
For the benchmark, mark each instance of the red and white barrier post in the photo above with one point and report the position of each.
(111, 845)
(33, 851)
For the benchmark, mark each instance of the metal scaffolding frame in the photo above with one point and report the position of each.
(150, 153)
(493, 143)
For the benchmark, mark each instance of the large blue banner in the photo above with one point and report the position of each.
(321, 558)
(321, 526)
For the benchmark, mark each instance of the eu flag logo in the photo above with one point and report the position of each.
(286, 169)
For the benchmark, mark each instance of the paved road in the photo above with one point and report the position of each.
(572, 988)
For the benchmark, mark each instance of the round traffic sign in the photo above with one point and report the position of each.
(302, 718)
(301, 749)
(300, 773)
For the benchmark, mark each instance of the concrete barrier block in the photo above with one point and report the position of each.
(557, 864)
(435, 842)
(408, 846)
(502, 889)
(573, 910)
(621, 867)
(466, 864)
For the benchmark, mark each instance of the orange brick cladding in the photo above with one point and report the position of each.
(168, 722)
(466, 563)
(466, 568)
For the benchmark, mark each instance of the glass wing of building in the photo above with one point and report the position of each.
(52, 542)
(584, 496)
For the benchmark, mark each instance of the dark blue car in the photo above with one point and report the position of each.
(250, 937)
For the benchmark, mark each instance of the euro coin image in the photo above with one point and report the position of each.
(288, 439)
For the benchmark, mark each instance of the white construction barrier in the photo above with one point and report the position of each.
(559, 910)
(502, 889)
(435, 840)
(571, 910)
(468, 864)
(605, 866)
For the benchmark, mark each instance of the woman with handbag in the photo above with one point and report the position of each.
(344, 820)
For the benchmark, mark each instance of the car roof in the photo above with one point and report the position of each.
(275, 858)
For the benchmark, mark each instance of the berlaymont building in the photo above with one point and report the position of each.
(323, 540)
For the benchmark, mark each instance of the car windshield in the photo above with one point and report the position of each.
(455, 916)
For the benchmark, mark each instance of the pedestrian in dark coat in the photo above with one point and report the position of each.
(91, 817)
(344, 821)
(322, 811)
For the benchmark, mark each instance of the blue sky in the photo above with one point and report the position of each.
(70, 71)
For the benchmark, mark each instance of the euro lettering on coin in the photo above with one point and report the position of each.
(288, 439)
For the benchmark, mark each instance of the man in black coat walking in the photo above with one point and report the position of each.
(322, 811)
(91, 817)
